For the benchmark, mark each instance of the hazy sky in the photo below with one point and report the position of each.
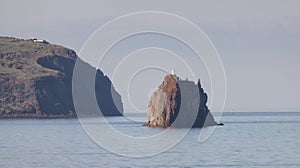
(258, 41)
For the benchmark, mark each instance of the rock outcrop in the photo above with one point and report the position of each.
(36, 81)
(179, 103)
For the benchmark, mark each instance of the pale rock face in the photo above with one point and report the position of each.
(156, 113)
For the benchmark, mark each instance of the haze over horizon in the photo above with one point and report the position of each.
(258, 41)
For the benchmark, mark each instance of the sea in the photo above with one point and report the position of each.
(247, 139)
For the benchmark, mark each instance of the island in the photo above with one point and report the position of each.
(179, 103)
(36, 81)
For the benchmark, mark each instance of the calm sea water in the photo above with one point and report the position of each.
(246, 140)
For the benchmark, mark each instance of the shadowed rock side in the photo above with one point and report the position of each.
(36, 81)
(179, 103)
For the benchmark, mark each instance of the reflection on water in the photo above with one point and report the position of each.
(247, 139)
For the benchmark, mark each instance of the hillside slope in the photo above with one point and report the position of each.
(36, 81)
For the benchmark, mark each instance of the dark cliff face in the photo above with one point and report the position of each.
(36, 81)
(179, 103)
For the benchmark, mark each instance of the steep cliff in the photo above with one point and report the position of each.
(36, 81)
(179, 103)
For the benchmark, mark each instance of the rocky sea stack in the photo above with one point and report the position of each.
(179, 103)
(36, 81)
